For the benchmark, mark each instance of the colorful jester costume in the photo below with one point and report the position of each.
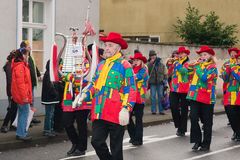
(113, 87)
(202, 87)
(231, 86)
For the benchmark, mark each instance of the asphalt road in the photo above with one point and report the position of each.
(160, 143)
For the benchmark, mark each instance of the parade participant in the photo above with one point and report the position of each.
(157, 76)
(113, 92)
(232, 53)
(141, 76)
(230, 74)
(202, 98)
(21, 90)
(78, 114)
(12, 106)
(170, 66)
(73, 113)
(179, 87)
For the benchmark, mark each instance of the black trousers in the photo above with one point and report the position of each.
(100, 132)
(79, 138)
(179, 107)
(11, 112)
(58, 118)
(205, 111)
(135, 130)
(233, 114)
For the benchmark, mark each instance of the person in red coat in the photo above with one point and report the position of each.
(21, 90)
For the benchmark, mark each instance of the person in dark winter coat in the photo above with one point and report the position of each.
(12, 106)
(50, 98)
(157, 76)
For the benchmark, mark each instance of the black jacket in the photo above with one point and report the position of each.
(33, 70)
(50, 93)
(8, 72)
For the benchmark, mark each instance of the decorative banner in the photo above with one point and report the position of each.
(53, 69)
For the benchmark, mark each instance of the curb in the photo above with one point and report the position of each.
(42, 141)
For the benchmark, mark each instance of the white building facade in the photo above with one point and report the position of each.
(38, 21)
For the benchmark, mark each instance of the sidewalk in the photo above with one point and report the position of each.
(8, 140)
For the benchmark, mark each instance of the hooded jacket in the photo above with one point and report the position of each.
(49, 92)
(21, 88)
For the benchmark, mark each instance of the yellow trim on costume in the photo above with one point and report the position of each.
(105, 70)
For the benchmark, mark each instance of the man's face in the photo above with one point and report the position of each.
(233, 54)
(111, 49)
(153, 57)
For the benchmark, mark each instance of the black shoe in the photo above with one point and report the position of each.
(73, 148)
(4, 129)
(161, 113)
(12, 128)
(130, 141)
(196, 146)
(35, 121)
(136, 143)
(234, 136)
(153, 113)
(77, 152)
(180, 133)
(205, 148)
(237, 138)
(49, 134)
(27, 138)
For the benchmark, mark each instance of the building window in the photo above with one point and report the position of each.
(33, 27)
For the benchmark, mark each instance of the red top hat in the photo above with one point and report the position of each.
(115, 38)
(233, 49)
(139, 56)
(206, 49)
(182, 49)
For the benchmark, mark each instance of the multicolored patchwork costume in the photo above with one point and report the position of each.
(116, 91)
(202, 87)
(180, 76)
(231, 86)
(141, 82)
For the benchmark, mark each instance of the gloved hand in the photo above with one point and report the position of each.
(123, 117)
(78, 100)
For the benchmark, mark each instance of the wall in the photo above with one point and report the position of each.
(7, 43)
(156, 17)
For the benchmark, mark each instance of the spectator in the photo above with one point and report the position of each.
(50, 98)
(12, 106)
(21, 90)
(157, 74)
(33, 71)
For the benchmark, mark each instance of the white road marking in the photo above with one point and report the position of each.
(146, 140)
(214, 152)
